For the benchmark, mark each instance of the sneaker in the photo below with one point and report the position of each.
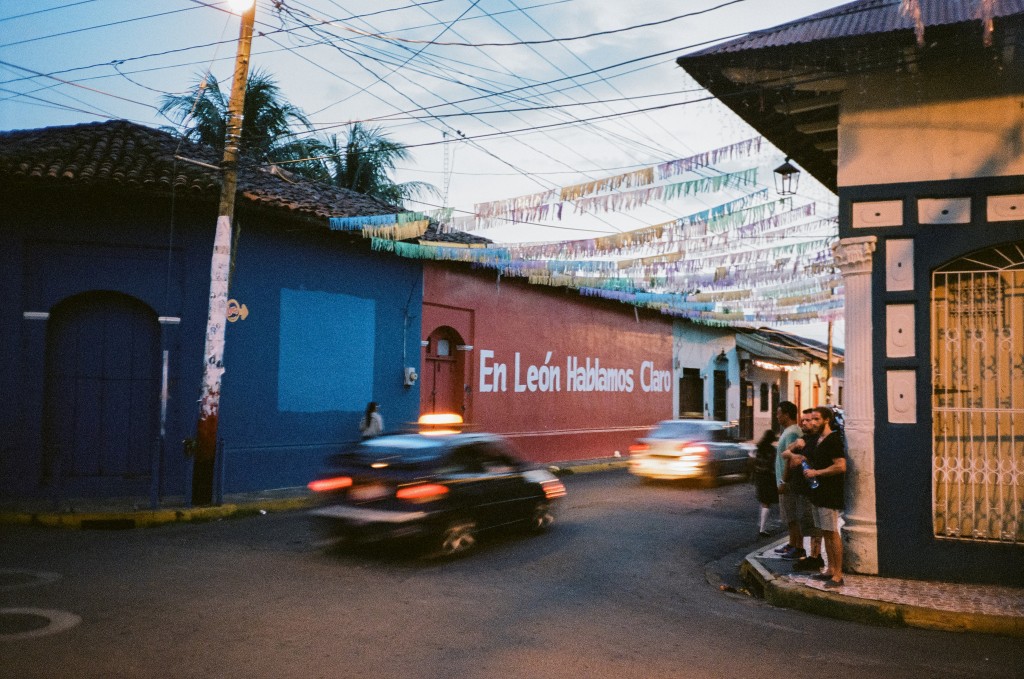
(809, 563)
(783, 549)
(834, 584)
(822, 577)
(794, 554)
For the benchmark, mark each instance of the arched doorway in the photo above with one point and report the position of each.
(102, 394)
(977, 348)
(443, 385)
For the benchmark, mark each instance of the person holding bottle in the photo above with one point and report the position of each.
(827, 465)
(794, 457)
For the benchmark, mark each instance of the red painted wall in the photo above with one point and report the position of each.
(550, 407)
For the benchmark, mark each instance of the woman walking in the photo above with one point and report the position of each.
(372, 423)
(764, 479)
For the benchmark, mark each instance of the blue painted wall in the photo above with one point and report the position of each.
(330, 326)
(903, 452)
(324, 335)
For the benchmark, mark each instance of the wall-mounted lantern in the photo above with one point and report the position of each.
(787, 178)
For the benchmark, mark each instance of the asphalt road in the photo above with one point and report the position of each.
(617, 589)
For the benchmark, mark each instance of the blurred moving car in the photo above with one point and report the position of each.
(441, 488)
(691, 449)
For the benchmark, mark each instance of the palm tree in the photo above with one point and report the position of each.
(268, 119)
(363, 163)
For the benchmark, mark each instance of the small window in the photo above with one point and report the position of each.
(764, 397)
(443, 348)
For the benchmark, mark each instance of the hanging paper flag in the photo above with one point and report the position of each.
(398, 231)
(672, 168)
(358, 223)
(628, 200)
(545, 204)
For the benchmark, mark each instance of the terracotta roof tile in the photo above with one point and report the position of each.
(120, 155)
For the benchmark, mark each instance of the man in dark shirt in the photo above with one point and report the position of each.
(828, 465)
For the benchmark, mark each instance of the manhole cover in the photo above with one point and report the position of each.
(17, 623)
(26, 623)
(16, 578)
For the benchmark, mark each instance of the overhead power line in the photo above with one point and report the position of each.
(521, 43)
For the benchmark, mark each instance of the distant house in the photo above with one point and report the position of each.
(920, 130)
(742, 375)
(106, 246)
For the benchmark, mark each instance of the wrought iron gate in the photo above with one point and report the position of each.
(978, 396)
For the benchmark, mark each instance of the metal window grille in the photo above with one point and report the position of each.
(977, 344)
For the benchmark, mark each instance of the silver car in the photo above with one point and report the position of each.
(691, 449)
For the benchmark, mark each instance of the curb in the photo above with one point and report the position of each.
(113, 520)
(586, 466)
(146, 518)
(780, 591)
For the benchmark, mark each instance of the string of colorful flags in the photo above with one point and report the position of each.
(747, 261)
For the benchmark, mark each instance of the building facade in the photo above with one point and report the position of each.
(104, 292)
(920, 130)
(562, 376)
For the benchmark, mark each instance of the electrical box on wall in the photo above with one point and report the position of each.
(410, 376)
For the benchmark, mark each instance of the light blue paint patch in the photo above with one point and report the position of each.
(326, 354)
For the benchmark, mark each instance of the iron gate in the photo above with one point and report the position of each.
(977, 346)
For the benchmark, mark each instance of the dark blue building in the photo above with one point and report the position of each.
(919, 129)
(106, 245)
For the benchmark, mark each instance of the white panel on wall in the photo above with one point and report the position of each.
(899, 264)
(878, 213)
(902, 393)
(1006, 208)
(944, 211)
(899, 330)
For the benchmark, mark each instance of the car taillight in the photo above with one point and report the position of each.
(325, 485)
(421, 492)
(638, 448)
(553, 489)
(691, 450)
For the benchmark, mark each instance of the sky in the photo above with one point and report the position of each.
(588, 89)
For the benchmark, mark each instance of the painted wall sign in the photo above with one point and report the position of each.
(581, 374)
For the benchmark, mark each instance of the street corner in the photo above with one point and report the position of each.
(886, 602)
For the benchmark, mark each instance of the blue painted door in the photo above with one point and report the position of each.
(101, 412)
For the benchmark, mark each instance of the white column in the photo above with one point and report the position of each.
(860, 534)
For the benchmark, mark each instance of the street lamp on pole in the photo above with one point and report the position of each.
(220, 266)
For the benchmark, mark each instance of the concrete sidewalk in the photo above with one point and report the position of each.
(887, 601)
(128, 513)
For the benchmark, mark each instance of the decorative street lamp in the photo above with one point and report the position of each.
(787, 178)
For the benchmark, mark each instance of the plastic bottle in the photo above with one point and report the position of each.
(811, 483)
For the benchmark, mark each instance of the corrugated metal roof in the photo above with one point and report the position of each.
(762, 349)
(863, 17)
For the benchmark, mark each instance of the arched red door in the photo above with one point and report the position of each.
(443, 385)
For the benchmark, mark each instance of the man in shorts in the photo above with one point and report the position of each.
(790, 503)
(827, 464)
(799, 501)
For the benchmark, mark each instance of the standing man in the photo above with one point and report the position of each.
(827, 464)
(790, 503)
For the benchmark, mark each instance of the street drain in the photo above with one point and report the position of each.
(27, 623)
(18, 578)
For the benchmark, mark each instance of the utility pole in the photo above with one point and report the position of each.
(220, 266)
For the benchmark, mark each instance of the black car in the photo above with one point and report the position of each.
(441, 490)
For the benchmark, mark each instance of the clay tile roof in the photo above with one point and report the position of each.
(122, 156)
